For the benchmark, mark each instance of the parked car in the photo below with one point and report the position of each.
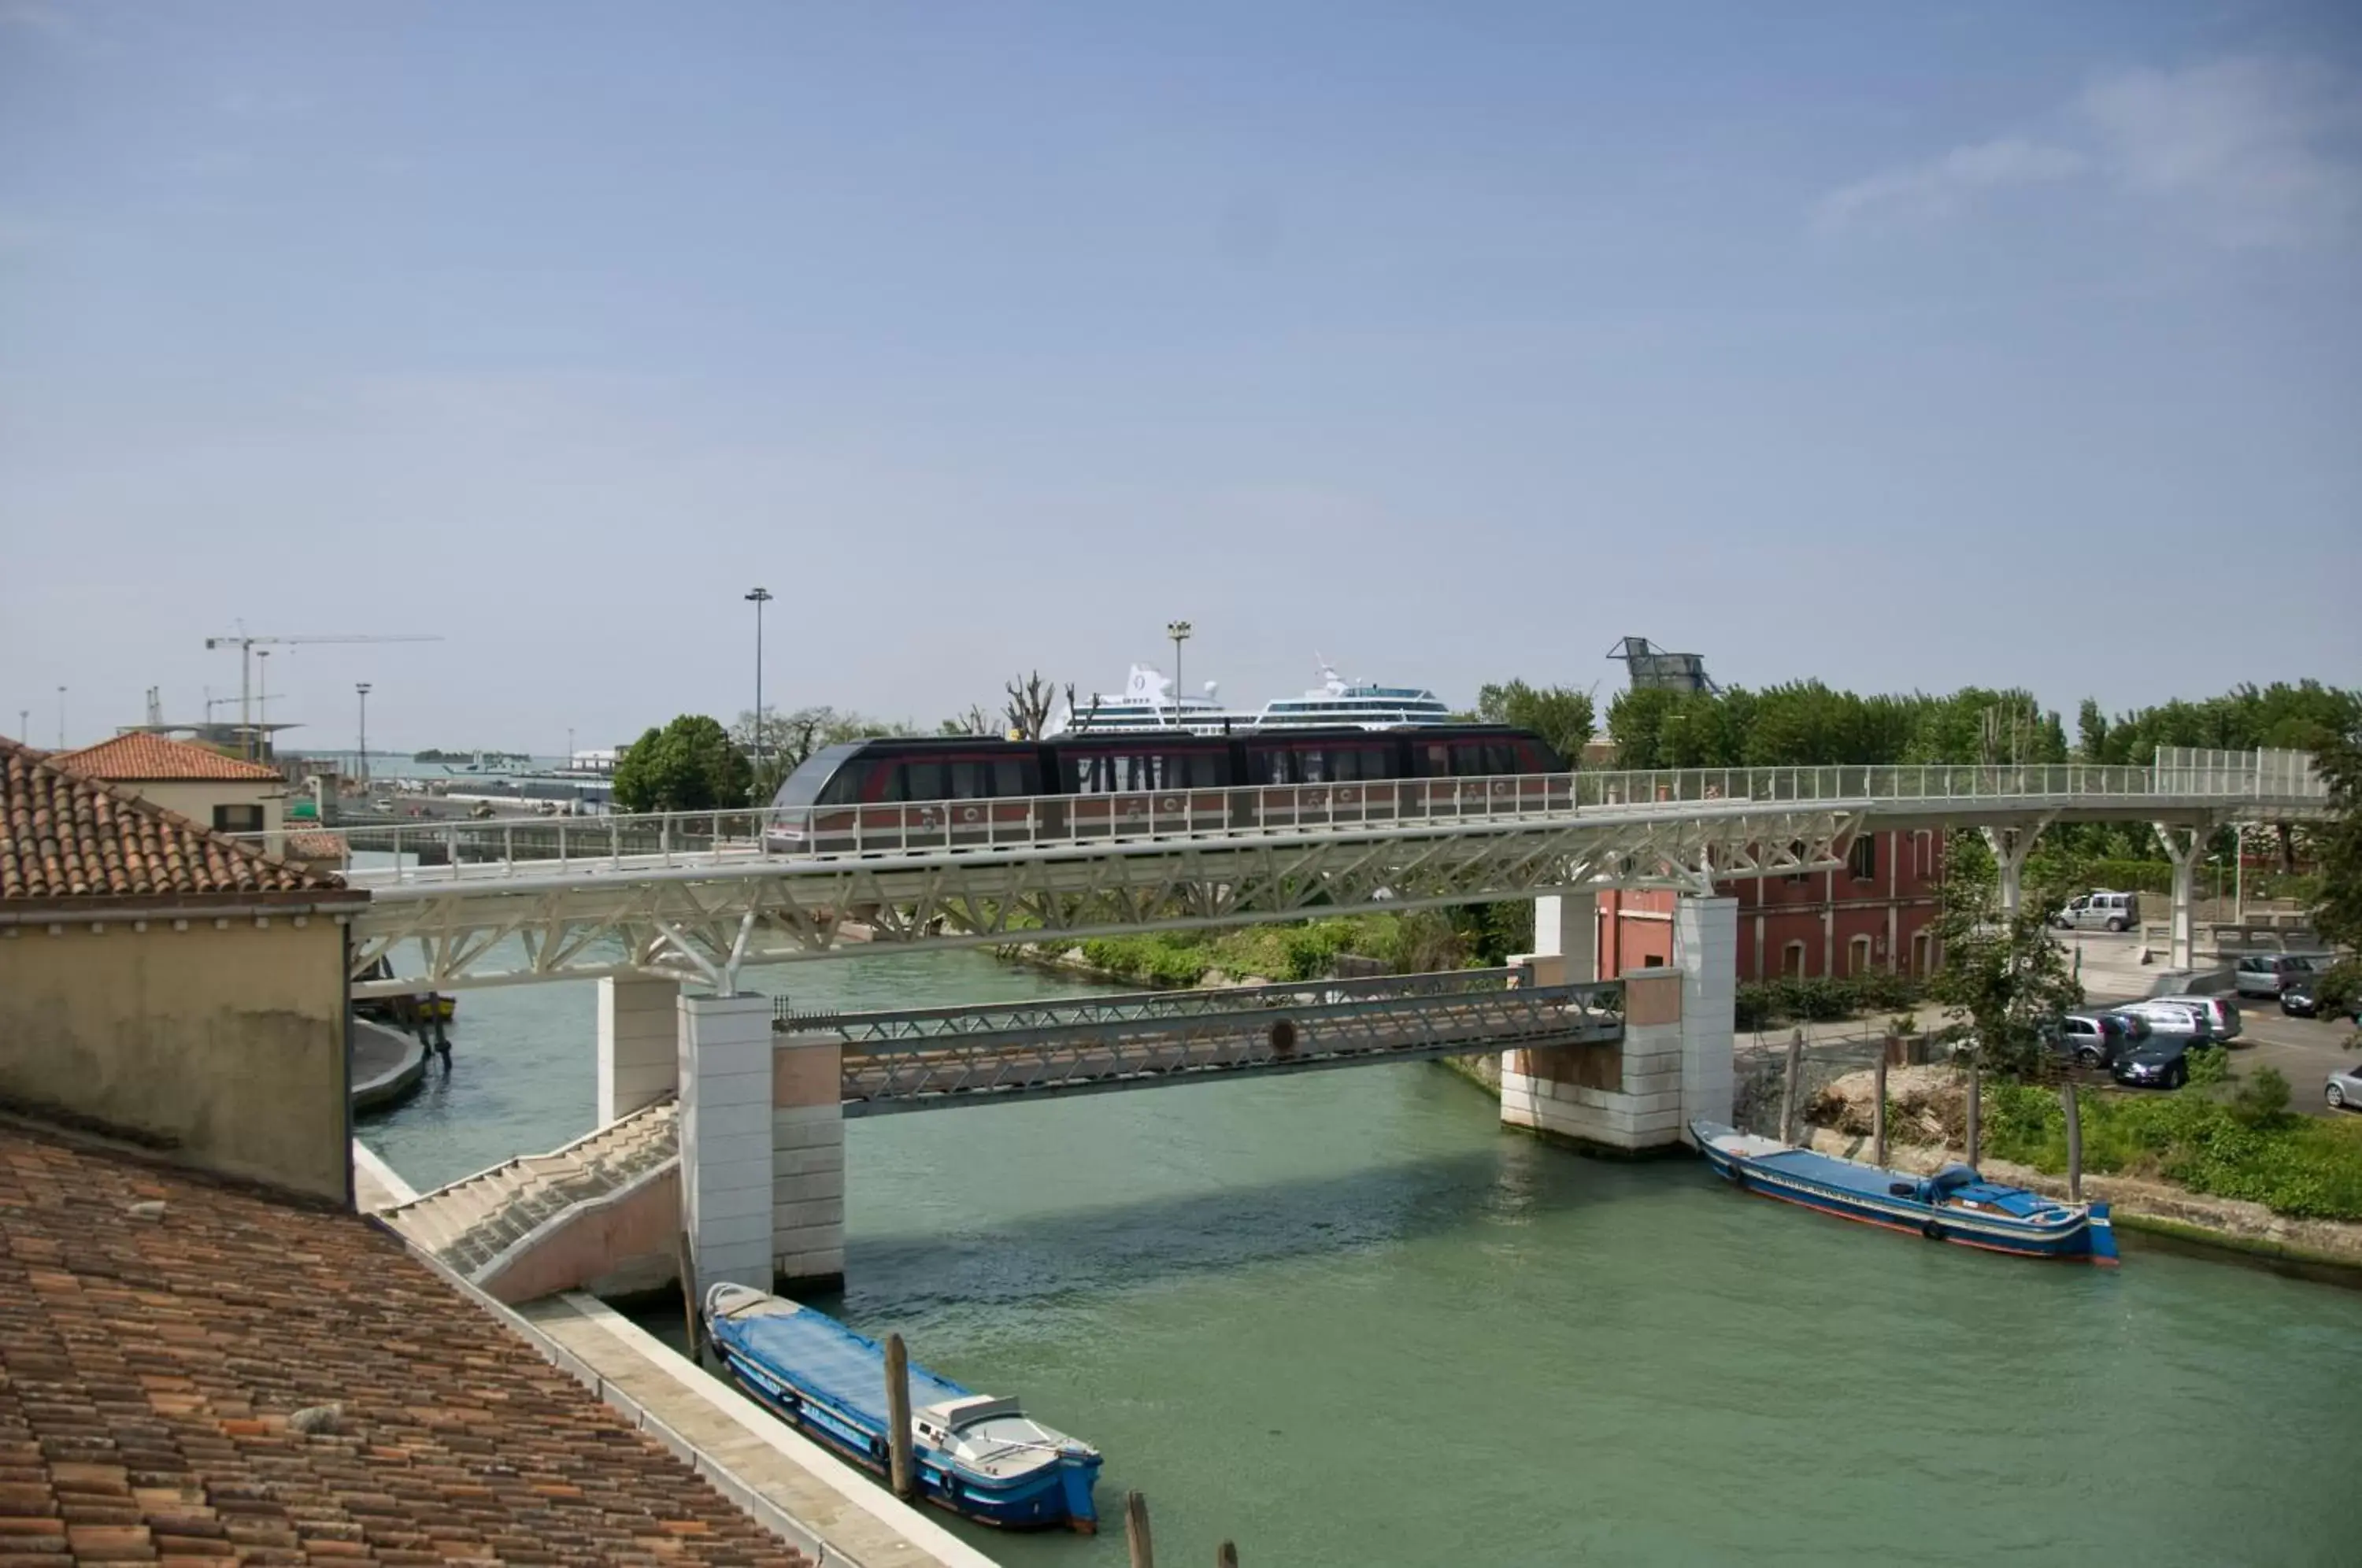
(2343, 1091)
(2270, 974)
(2301, 1000)
(2184, 1019)
(2097, 1039)
(2162, 1061)
(2221, 1015)
(2099, 911)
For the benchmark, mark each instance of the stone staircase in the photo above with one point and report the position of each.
(474, 1225)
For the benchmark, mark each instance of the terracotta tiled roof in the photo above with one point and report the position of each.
(149, 1365)
(63, 835)
(143, 759)
(311, 844)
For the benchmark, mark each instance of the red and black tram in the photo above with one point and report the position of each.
(961, 791)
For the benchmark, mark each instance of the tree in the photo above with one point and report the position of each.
(690, 765)
(1030, 698)
(2338, 914)
(2002, 981)
(1560, 714)
(788, 739)
(974, 721)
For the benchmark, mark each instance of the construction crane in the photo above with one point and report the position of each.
(246, 645)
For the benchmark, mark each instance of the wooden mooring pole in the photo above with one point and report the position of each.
(1226, 1556)
(898, 1415)
(1788, 1087)
(685, 1260)
(1135, 1530)
(1976, 1106)
(1878, 1110)
(2074, 1142)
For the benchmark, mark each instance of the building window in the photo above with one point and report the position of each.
(1792, 960)
(1923, 949)
(1923, 849)
(1863, 858)
(1858, 956)
(237, 819)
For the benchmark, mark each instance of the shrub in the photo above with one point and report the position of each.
(2210, 1065)
(2299, 1166)
(2262, 1097)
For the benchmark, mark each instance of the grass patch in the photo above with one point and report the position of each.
(2307, 1168)
(1418, 941)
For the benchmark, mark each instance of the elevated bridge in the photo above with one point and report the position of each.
(696, 895)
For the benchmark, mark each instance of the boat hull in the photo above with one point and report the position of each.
(2087, 1236)
(1053, 1496)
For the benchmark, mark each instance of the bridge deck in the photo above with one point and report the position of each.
(938, 1057)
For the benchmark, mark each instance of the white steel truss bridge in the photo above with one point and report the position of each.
(929, 1058)
(694, 896)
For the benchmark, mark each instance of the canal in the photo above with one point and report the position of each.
(1344, 1320)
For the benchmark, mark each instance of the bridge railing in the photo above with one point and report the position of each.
(426, 851)
(1374, 993)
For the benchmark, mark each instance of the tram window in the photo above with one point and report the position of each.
(1435, 761)
(883, 782)
(1204, 771)
(923, 781)
(1269, 766)
(1009, 779)
(969, 781)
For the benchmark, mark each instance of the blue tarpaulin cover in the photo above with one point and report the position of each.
(816, 1353)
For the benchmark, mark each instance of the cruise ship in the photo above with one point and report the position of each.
(1149, 703)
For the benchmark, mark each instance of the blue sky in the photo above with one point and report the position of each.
(1905, 347)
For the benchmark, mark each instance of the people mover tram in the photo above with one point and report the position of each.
(958, 791)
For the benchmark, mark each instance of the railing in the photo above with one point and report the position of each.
(1085, 1014)
(943, 1057)
(426, 851)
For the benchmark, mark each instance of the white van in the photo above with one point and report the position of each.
(2099, 911)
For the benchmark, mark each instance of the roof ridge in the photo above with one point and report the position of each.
(125, 799)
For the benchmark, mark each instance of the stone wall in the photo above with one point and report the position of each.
(218, 1040)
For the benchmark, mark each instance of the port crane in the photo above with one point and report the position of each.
(246, 644)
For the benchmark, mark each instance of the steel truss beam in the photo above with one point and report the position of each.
(941, 1057)
(700, 924)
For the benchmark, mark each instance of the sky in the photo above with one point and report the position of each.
(1904, 347)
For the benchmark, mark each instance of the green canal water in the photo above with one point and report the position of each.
(1343, 1318)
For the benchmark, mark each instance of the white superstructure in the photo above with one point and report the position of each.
(1149, 703)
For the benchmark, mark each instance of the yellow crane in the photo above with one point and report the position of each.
(246, 645)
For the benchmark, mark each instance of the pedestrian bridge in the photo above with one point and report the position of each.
(929, 1058)
(696, 895)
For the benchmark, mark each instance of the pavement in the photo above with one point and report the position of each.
(387, 1066)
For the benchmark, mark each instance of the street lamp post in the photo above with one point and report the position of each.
(363, 687)
(62, 718)
(758, 597)
(1179, 631)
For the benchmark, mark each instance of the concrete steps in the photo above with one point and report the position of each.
(470, 1223)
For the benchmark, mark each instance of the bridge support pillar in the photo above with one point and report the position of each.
(2183, 845)
(726, 1137)
(1566, 937)
(1612, 1098)
(639, 1051)
(808, 1163)
(1705, 950)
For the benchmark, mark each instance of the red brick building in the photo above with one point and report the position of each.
(1876, 912)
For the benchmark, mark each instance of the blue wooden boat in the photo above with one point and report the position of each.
(980, 1457)
(1954, 1205)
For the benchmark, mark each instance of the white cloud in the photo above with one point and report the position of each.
(2257, 153)
(1944, 186)
(2247, 152)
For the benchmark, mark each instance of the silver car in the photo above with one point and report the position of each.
(2344, 1090)
(2221, 1014)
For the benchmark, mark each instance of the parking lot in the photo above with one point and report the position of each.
(2305, 1050)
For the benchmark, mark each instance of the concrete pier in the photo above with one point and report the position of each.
(1616, 1098)
(1705, 950)
(639, 1058)
(808, 1163)
(726, 1137)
